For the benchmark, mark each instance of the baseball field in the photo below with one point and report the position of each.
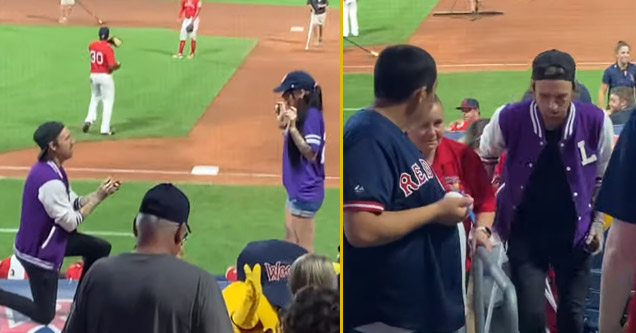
(488, 58)
(170, 115)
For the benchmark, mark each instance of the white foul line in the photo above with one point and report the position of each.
(96, 233)
(592, 63)
(156, 172)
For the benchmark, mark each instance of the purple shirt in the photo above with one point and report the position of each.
(518, 129)
(47, 208)
(306, 181)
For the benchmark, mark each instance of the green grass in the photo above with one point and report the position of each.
(389, 22)
(332, 3)
(45, 75)
(491, 89)
(223, 219)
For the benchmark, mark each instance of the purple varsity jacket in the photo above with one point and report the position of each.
(518, 130)
(40, 241)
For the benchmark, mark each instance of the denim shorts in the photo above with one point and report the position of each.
(303, 208)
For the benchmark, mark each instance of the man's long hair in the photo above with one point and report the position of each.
(313, 99)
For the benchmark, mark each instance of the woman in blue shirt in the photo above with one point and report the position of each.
(619, 74)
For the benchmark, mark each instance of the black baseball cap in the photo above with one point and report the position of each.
(167, 202)
(275, 257)
(553, 65)
(45, 134)
(296, 80)
(468, 104)
(104, 32)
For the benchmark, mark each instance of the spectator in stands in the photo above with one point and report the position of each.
(312, 269)
(315, 309)
(616, 198)
(51, 214)
(400, 230)
(473, 138)
(472, 135)
(458, 168)
(150, 289)
(557, 151)
(620, 74)
(621, 104)
(301, 119)
(261, 294)
(470, 113)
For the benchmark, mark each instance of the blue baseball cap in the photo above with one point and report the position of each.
(104, 32)
(296, 80)
(275, 257)
(468, 104)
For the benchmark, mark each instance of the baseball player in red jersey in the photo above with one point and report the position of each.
(189, 13)
(103, 64)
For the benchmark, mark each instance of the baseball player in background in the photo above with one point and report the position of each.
(103, 64)
(66, 6)
(189, 16)
(301, 119)
(318, 17)
(350, 16)
(51, 214)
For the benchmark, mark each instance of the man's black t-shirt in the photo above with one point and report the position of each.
(152, 293)
(319, 6)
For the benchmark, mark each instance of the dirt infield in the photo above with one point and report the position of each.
(237, 132)
(586, 29)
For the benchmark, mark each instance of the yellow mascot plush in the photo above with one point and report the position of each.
(248, 308)
(254, 300)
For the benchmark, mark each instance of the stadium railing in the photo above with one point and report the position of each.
(484, 263)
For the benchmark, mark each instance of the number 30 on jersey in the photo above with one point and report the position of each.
(97, 57)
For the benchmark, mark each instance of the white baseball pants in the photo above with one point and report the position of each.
(183, 34)
(102, 90)
(350, 15)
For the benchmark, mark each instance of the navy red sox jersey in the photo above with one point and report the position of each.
(616, 197)
(414, 282)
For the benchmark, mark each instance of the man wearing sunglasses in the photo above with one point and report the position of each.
(150, 289)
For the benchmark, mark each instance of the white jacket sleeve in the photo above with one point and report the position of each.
(605, 143)
(57, 204)
(492, 143)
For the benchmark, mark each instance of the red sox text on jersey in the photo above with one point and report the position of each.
(422, 172)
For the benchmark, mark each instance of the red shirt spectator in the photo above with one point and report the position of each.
(459, 168)
(456, 165)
